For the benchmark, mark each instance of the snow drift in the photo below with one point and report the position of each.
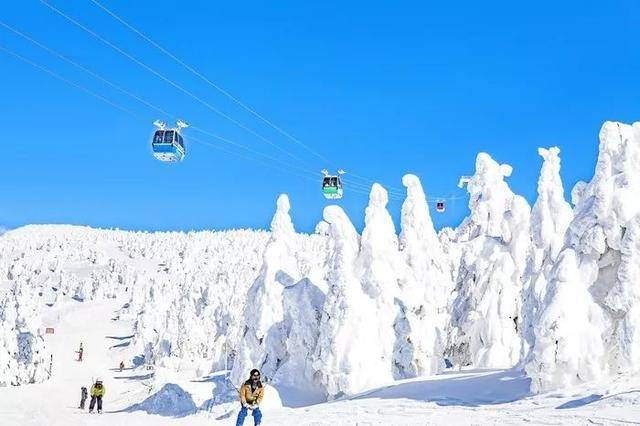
(171, 400)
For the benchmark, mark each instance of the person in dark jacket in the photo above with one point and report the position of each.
(83, 397)
(251, 394)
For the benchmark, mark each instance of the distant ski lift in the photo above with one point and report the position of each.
(167, 144)
(332, 185)
(463, 181)
(440, 206)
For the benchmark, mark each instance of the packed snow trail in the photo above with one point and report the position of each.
(456, 398)
(56, 401)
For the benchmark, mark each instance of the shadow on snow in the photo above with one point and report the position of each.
(478, 387)
(119, 337)
(624, 397)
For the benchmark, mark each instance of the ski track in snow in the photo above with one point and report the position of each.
(475, 397)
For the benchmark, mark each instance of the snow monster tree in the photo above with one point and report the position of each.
(550, 217)
(590, 321)
(494, 242)
(425, 287)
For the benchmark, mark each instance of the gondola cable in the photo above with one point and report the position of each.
(169, 81)
(225, 92)
(356, 186)
(191, 94)
(142, 100)
(139, 117)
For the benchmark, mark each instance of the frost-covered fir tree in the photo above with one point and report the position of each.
(495, 240)
(342, 366)
(568, 332)
(263, 344)
(379, 266)
(425, 288)
(624, 300)
(303, 304)
(588, 324)
(550, 217)
(23, 357)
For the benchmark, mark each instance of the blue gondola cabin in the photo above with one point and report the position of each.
(168, 146)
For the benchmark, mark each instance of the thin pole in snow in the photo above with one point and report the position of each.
(224, 346)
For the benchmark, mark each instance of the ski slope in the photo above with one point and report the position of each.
(454, 397)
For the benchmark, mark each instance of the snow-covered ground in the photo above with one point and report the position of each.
(464, 397)
(519, 315)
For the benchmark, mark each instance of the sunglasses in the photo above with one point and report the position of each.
(255, 375)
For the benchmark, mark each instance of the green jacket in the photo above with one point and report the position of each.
(97, 390)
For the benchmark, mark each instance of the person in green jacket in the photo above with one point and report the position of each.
(97, 392)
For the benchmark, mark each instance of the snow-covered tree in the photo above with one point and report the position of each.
(550, 217)
(303, 304)
(592, 301)
(23, 356)
(342, 366)
(379, 266)
(568, 333)
(425, 287)
(495, 240)
(624, 301)
(264, 338)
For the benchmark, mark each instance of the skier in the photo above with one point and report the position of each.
(121, 366)
(251, 394)
(80, 351)
(83, 397)
(97, 392)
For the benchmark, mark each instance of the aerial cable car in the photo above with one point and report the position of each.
(167, 144)
(332, 185)
(463, 181)
(440, 206)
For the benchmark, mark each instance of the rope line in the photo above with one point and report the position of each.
(67, 81)
(83, 68)
(226, 93)
(140, 99)
(208, 81)
(128, 111)
(168, 80)
(294, 169)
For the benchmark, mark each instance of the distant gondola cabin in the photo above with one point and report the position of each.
(332, 187)
(168, 145)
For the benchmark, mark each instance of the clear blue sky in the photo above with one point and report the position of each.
(381, 88)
